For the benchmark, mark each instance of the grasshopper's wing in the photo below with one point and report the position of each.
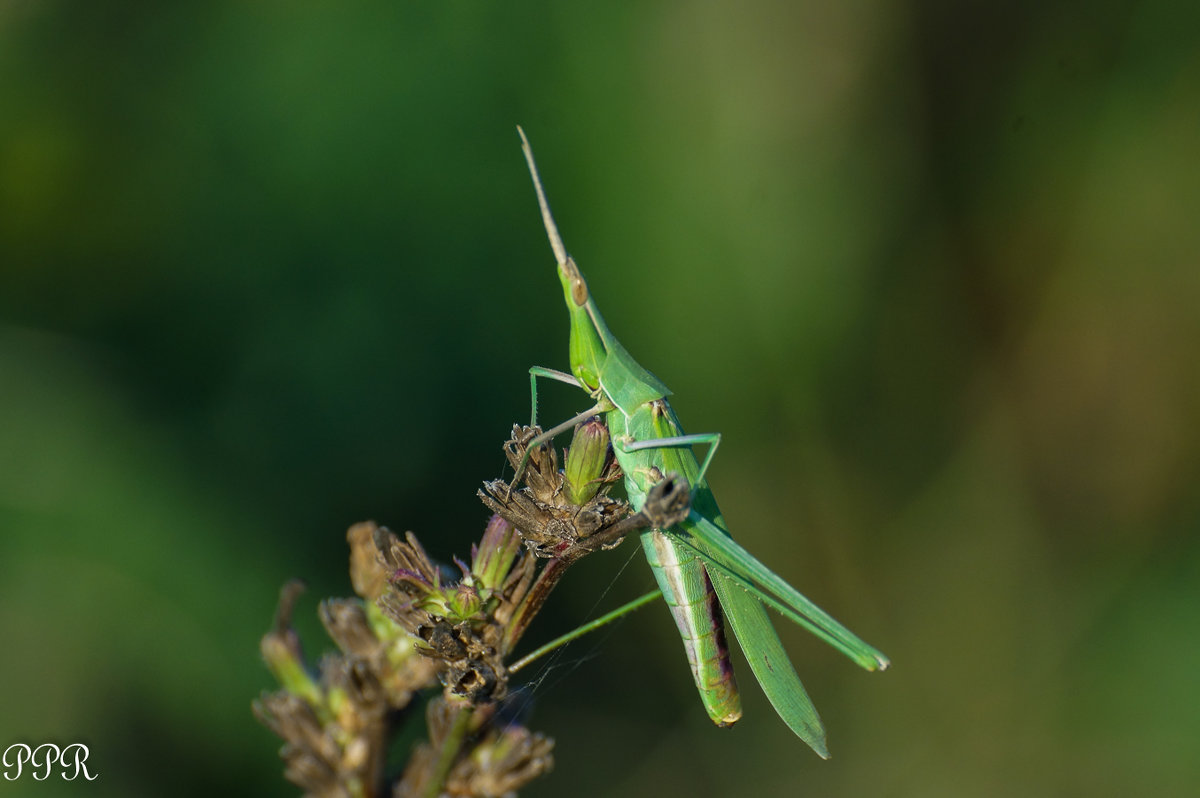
(770, 663)
(724, 556)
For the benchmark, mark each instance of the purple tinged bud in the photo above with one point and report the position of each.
(496, 553)
(495, 535)
(587, 460)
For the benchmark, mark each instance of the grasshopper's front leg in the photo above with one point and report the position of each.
(540, 371)
(546, 373)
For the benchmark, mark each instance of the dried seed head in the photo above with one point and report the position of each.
(544, 512)
(357, 699)
(312, 758)
(555, 530)
(476, 680)
(502, 763)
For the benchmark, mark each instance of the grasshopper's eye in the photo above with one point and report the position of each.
(579, 289)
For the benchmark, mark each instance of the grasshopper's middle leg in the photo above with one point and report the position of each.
(713, 439)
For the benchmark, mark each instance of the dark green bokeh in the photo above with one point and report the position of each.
(268, 269)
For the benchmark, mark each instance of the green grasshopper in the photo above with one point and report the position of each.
(702, 572)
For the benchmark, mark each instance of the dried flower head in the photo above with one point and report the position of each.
(502, 757)
(551, 523)
(333, 725)
(462, 625)
(417, 624)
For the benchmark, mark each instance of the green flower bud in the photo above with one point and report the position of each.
(587, 460)
(464, 602)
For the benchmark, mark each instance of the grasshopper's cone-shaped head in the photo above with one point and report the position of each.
(588, 352)
(587, 349)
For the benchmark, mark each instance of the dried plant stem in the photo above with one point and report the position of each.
(546, 581)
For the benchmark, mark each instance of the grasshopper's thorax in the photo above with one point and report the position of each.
(645, 467)
(635, 465)
(642, 466)
(586, 347)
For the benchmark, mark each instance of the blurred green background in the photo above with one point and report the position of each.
(268, 269)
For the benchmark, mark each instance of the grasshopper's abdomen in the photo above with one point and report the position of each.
(689, 594)
(685, 585)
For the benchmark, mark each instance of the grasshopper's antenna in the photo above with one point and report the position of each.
(560, 251)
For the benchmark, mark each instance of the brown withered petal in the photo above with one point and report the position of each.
(316, 777)
(404, 611)
(407, 557)
(541, 474)
(367, 573)
(283, 638)
(294, 720)
(346, 622)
